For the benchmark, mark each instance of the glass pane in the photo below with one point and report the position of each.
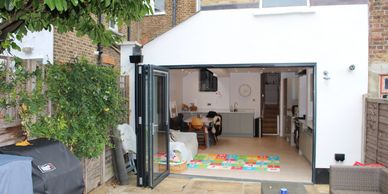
(159, 115)
(147, 127)
(283, 3)
(159, 6)
(227, 2)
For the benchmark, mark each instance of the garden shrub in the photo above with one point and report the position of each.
(86, 104)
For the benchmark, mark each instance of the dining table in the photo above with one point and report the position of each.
(204, 119)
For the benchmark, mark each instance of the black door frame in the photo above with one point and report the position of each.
(144, 141)
(312, 65)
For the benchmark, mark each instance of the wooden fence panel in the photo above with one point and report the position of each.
(371, 132)
(10, 128)
(125, 92)
(376, 134)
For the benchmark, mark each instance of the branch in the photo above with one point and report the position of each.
(10, 28)
(11, 25)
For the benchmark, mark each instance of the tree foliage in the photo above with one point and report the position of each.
(21, 16)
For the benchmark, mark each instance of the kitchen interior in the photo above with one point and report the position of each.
(242, 96)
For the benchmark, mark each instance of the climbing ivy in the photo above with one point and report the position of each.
(87, 103)
(30, 101)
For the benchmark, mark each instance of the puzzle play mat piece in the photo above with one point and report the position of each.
(235, 162)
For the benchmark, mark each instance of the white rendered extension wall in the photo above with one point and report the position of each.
(333, 37)
(128, 68)
(42, 44)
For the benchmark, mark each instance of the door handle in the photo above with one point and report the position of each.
(153, 128)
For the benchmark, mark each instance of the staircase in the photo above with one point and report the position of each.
(269, 122)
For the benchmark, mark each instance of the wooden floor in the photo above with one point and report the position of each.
(293, 167)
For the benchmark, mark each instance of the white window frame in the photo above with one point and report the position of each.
(152, 3)
(261, 5)
(115, 27)
(198, 5)
(286, 10)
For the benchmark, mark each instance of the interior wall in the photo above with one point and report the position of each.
(302, 96)
(310, 95)
(250, 103)
(205, 101)
(291, 88)
(176, 88)
(332, 37)
(226, 96)
(292, 92)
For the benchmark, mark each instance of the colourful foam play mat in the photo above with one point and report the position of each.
(235, 162)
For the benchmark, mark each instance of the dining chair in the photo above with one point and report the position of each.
(196, 125)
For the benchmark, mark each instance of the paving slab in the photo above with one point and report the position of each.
(187, 185)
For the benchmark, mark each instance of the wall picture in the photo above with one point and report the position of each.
(384, 84)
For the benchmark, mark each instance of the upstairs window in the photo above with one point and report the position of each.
(158, 6)
(113, 25)
(283, 3)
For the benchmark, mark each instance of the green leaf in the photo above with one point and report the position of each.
(59, 5)
(9, 5)
(5, 44)
(107, 3)
(75, 2)
(73, 15)
(2, 4)
(50, 3)
(64, 3)
(15, 46)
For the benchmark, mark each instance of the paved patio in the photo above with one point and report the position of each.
(186, 185)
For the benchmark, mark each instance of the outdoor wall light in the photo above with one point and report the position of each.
(27, 49)
(326, 75)
(339, 157)
(352, 67)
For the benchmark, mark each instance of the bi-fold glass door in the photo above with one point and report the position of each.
(152, 124)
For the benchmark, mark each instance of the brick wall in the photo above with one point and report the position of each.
(378, 43)
(151, 27)
(185, 9)
(68, 46)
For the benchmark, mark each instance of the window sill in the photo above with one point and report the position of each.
(284, 11)
(158, 14)
(116, 32)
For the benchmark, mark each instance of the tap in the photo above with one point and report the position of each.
(235, 107)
